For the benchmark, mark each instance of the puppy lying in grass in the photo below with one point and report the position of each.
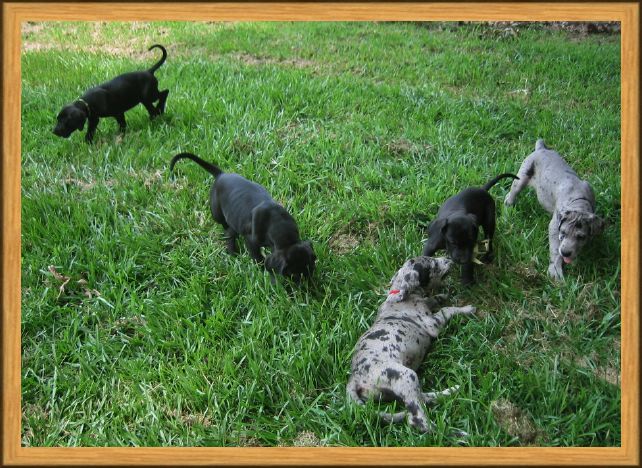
(112, 99)
(245, 208)
(388, 354)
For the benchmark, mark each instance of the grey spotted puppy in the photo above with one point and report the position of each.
(388, 354)
(568, 198)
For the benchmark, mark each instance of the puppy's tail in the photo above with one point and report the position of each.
(161, 61)
(209, 167)
(490, 183)
(539, 145)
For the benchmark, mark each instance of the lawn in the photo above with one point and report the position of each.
(139, 330)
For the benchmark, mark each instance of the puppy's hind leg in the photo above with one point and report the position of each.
(404, 384)
(525, 173)
(446, 313)
(162, 97)
(431, 397)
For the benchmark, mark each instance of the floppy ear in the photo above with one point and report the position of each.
(473, 219)
(561, 217)
(260, 218)
(442, 225)
(597, 225)
(81, 125)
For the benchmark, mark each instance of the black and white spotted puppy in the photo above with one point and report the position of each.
(388, 354)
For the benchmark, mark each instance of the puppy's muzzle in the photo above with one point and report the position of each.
(61, 132)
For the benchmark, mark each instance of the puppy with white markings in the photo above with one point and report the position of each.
(387, 356)
(568, 198)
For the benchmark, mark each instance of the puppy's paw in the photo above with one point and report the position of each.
(468, 310)
(509, 200)
(440, 298)
(555, 272)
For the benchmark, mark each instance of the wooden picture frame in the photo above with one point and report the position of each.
(15, 13)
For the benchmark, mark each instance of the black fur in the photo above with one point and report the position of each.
(245, 208)
(457, 226)
(113, 99)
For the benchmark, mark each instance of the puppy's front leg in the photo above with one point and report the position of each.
(91, 129)
(121, 122)
(555, 267)
(254, 248)
(435, 301)
(256, 238)
(525, 173)
(231, 236)
(446, 313)
(467, 274)
(162, 97)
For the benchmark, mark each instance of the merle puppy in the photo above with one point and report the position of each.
(457, 226)
(388, 354)
(569, 199)
(246, 208)
(112, 99)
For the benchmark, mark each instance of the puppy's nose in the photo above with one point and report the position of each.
(565, 253)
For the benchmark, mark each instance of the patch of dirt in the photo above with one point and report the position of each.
(577, 27)
(191, 419)
(86, 185)
(250, 59)
(341, 244)
(36, 411)
(68, 289)
(129, 325)
(514, 421)
(249, 441)
(31, 27)
(607, 373)
(402, 147)
(307, 439)
(304, 439)
(28, 46)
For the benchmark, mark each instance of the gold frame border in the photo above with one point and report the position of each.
(14, 13)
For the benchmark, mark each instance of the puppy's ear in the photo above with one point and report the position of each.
(562, 215)
(81, 124)
(597, 225)
(473, 219)
(442, 225)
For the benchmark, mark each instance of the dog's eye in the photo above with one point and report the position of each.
(581, 237)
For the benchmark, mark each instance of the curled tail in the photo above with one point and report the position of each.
(490, 183)
(161, 61)
(211, 168)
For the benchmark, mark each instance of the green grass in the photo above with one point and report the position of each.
(361, 130)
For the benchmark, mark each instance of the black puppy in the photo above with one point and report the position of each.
(112, 99)
(246, 208)
(457, 226)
